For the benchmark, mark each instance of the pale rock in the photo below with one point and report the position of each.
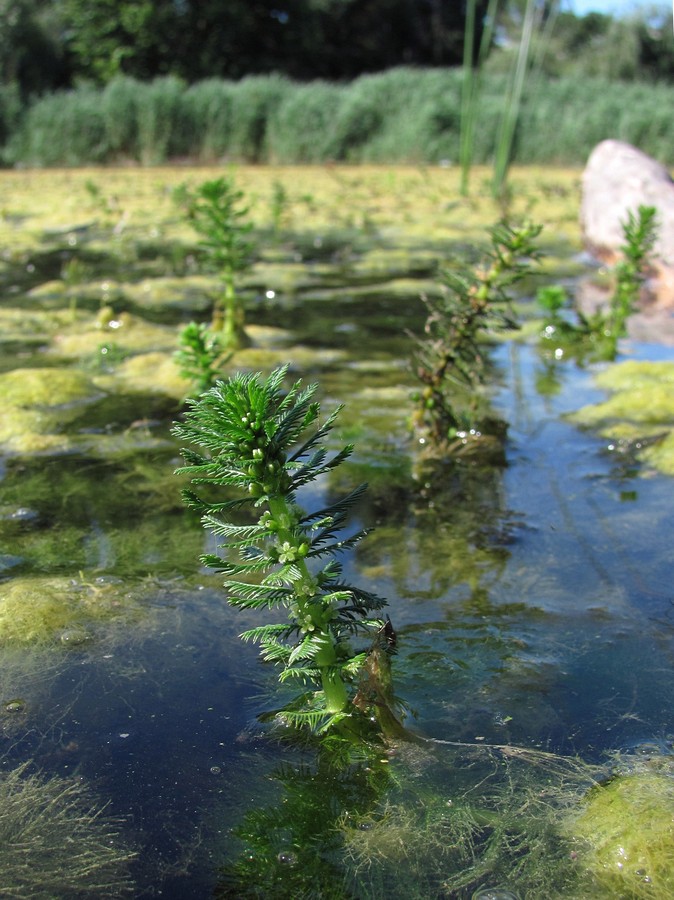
(618, 178)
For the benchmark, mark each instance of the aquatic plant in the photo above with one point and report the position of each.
(200, 356)
(266, 444)
(452, 361)
(279, 842)
(56, 841)
(596, 336)
(217, 212)
(640, 233)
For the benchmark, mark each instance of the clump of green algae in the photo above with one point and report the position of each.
(627, 828)
(37, 609)
(639, 410)
(56, 842)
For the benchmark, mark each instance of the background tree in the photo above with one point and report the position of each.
(304, 39)
(32, 53)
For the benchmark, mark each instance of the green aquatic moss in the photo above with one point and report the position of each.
(38, 403)
(661, 454)
(652, 404)
(191, 294)
(28, 431)
(155, 372)
(639, 411)
(130, 333)
(634, 374)
(627, 830)
(33, 326)
(36, 610)
(46, 387)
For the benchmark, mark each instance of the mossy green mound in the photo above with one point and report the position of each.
(28, 431)
(627, 827)
(36, 610)
(46, 387)
(38, 403)
(641, 406)
(154, 372)
(189, 294)
(129, 333)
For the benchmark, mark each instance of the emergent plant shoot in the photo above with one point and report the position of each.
(217, 213)
(596, 336)
(200, 356)
(265, 444)
(640, 233)
(451, 359)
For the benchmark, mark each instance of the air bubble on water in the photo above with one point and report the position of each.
(73, 637)
(495, 893)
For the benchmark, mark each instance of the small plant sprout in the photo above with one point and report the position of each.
(217, 212)
(640, 233)
(200, 356)
(264, 444)
(596, 335)
(451, 359)
(279, 208)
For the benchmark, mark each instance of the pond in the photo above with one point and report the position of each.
(531, 596)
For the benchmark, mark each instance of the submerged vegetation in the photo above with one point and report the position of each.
(57, 842)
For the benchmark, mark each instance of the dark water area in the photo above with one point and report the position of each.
(532, 601)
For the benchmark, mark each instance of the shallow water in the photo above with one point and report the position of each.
(532, 602)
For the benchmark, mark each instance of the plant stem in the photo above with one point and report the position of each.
(312, 614)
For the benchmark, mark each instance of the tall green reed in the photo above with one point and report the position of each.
(208, 109)
(401, 116)
(161, 131)
(472, 82)
(513, 100)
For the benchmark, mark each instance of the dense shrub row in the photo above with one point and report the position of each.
(403, 115)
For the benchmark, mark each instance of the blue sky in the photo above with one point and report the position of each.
(613, 7)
